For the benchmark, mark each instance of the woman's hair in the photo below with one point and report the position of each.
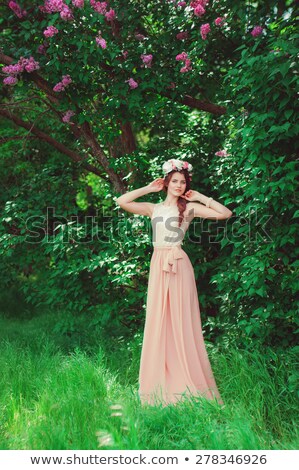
(182, 203)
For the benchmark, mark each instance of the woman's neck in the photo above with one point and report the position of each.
(170, 201)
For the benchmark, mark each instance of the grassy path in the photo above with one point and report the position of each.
(53, 399)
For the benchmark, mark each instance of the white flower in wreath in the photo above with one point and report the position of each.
(167, 167)
(178, 164)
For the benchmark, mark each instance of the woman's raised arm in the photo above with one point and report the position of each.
(125, 201)
(213, 210)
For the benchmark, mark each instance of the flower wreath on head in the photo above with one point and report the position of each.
(178, 165)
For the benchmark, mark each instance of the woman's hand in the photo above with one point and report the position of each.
(156, 185)
(191, 195)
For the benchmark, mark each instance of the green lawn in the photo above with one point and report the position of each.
(55, 395)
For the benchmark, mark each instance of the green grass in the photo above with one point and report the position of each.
(56, 395)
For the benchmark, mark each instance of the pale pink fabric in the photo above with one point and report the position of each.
(174, 361)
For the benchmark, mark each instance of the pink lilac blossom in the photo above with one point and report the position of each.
(15, 7)
(67, 116)
(132, 83)
(140, 37)
(23, 64)
(78, 3)
(199, 10)
(125, 54)
(204, 30)
(99, 7)
(42, 48)
(110, 15)
(147, 59)
(55, 5)
(182, 35)
(13, 69)
(29, 64)
(182, 4)
(199, 7)
(60, 86)
(202, 3)
(101, 42)
(257, 30)
(222, 153)
(52, 6)
(182, 56)
(219, 21)
(66, 13)
(66, 80)
(187, 66)
(10, 80)
(50, 31)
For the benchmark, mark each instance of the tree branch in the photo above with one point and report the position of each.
(198, 104)
(101, 157)
(54, 143)
(187, 99)
(84, 131)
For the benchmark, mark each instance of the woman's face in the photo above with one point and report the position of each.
(177, 184)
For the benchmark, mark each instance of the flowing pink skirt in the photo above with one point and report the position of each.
(174, 361)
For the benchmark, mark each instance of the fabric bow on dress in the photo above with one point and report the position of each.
(170, 261)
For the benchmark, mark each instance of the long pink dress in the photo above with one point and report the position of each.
(174, 361)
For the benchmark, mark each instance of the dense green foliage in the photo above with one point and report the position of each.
(261, 273)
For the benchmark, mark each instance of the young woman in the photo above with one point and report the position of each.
(174, 361)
